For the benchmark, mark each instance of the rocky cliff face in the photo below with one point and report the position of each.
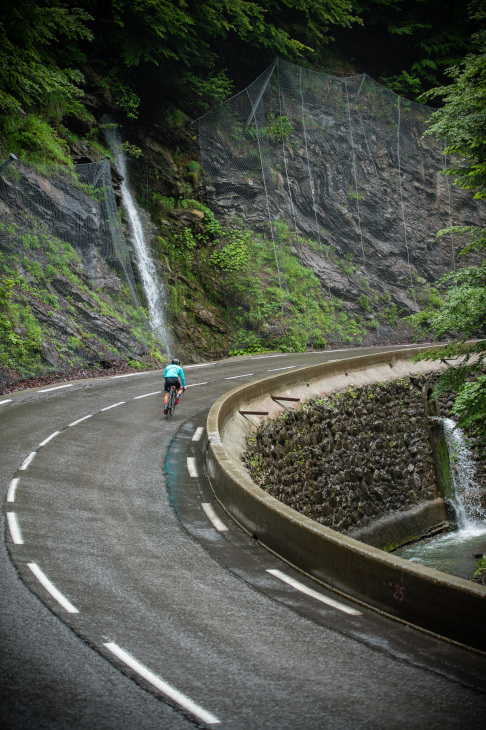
(68, 295)
(344, 164)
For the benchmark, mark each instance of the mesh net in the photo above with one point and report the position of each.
(72, 296)
(337, 197)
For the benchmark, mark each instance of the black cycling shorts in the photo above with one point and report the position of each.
(169, 382)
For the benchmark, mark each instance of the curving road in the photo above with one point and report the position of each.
(129, 600)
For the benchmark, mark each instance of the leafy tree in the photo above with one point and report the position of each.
(408, 44)
(35, 87)
(462, 121)
(462, 307)
(174, 48)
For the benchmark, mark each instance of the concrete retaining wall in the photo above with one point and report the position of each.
(413, 593)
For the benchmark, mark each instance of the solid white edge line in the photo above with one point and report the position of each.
(192, 385)
(8, 400)
(51, 588)
(289, 367)
(233, 377)
(27, 461)
(57, 387)
(12, 489)
(198, 433)
(146, 395)
(191, 466)
(211, 514)
(49, 438)
(75, 423)
(14, 528)
(162, 686)
(312, 593)
(114, 405)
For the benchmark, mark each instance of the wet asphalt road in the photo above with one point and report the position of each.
(111, 514)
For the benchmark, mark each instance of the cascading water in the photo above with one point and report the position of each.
(467, 498)
(456, 552)
(154, 290)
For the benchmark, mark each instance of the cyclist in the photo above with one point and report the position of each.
(172, 373)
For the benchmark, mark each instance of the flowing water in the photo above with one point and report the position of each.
(154, 291)
(456, 552)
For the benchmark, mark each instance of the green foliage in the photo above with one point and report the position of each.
(284, 307)
(417, 41)
(32, 138)
(480, 571)
(37, 88)
(277, 129)
(233, 256)
(461, 309)
(390, 314)
(462, 120)
(136, 364)
(20, 334)
(364, 303)
(131, 150)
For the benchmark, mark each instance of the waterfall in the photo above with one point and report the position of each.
(467, 498)
(456, 552)
(154, 290)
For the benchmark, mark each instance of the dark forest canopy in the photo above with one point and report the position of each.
(150, 54)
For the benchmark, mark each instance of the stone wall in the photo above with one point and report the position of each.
(352, 458)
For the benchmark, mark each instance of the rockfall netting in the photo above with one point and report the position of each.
(69, 295)
(337, 198)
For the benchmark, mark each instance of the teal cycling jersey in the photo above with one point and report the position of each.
(175, 371)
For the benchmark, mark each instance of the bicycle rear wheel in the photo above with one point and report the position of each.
(171, 403)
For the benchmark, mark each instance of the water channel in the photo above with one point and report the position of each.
(457, 552)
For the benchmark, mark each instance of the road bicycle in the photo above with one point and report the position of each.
(171, 403)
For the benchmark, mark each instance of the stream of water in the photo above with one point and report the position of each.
(154, 291)
(456, 552)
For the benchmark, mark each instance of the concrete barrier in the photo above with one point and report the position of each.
(442, 604)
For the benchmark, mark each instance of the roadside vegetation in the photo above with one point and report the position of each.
(458, 303)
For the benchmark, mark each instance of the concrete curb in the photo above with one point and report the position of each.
(439, 603)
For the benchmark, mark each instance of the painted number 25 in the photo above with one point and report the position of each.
(399, 594)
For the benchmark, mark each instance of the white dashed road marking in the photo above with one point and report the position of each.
(218, 524)
(198, 433)
(128, 375)
(200, 365)
(57, 387)
(49, 438)
(75, 423)
(50, 588)
(8, 400)
(114, 405)
(265, 357)
(233, 377)
(193, 385)
(162, 686)
(146, 395)
(289, 367)
(191, 466)
(314, 594)
(27, 461)
(11, 490)
(14, 528)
